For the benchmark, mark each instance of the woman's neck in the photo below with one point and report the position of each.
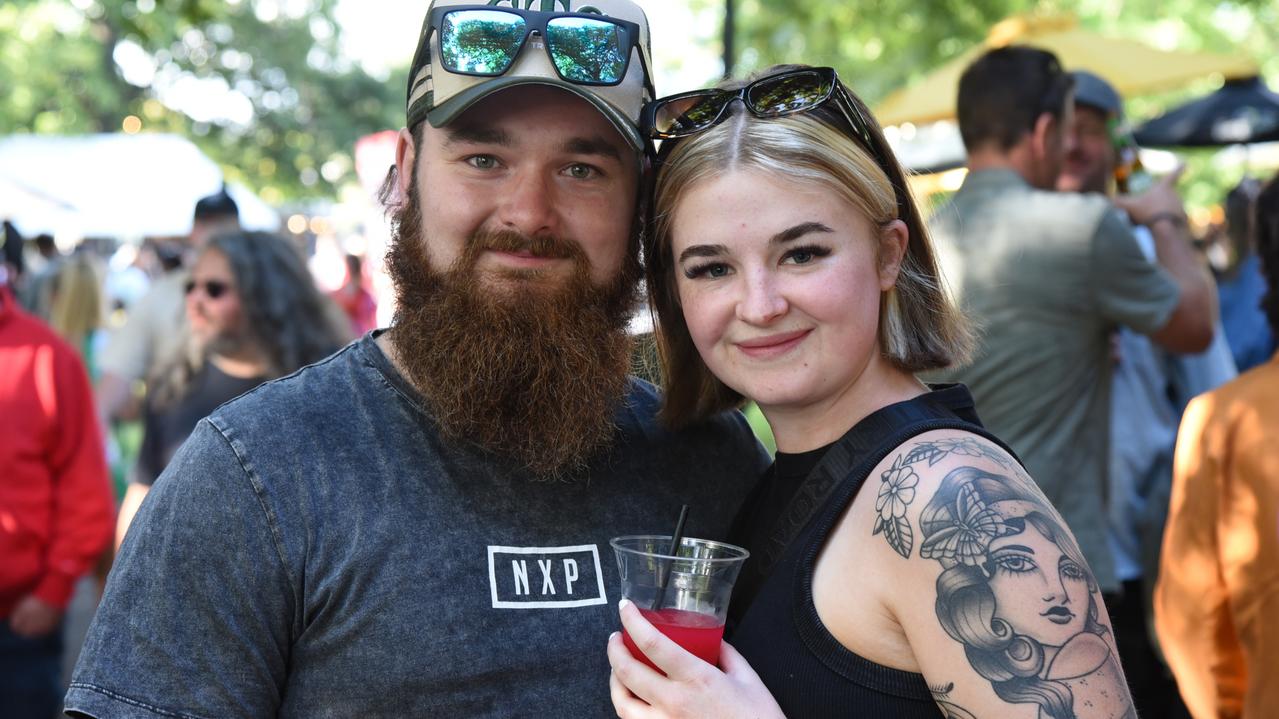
(805, 427)
(244, 363)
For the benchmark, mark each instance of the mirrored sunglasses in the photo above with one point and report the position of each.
(484, 41)
(213, 289)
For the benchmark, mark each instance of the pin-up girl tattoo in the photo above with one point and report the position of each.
(1016, 592)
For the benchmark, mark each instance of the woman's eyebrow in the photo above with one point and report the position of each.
(703, 251)
(1016, 547)
(798, 231)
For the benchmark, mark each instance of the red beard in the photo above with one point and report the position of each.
(521, 367)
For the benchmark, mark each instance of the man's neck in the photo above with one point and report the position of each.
(1016, 160)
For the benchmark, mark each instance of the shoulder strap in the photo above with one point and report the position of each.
(846, 465)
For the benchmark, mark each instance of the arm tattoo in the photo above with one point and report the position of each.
(897, 485)
(1014, 589)
(949, 709)
(1016, 592)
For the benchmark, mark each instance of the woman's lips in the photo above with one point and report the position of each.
(772, 345)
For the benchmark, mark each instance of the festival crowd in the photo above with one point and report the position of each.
(1024, 443)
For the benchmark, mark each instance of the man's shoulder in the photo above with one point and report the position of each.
(1018, 205)
(324, 388)
(1077, 208)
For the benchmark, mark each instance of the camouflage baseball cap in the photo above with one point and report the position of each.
(439, 96)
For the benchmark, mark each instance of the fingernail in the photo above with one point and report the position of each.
(623, 604)
(613, 636)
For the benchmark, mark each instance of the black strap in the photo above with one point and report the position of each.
(846, 464)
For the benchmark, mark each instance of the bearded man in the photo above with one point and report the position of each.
(419, 525)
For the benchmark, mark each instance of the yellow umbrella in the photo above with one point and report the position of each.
(1133, 68)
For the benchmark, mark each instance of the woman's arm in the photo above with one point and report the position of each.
(985, 579)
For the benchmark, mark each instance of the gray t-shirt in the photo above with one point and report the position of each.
(316, 550)
(1047, 276)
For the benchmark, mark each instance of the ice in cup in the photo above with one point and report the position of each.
(698, 581)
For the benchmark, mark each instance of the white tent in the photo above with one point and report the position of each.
(123, 186)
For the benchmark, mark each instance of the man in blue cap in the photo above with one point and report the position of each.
(1150, 388)
(419, 525)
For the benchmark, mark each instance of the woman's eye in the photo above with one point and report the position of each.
(805, 255)
(713, 270)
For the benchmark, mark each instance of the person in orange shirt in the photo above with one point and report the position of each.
(1217, 600)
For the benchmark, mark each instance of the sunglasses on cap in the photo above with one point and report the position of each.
(213, 289)
(785, 93)
(584, 48)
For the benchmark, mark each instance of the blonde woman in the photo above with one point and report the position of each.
(76, 308)
(903, 563)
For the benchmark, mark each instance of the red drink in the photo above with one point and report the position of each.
(698, 633)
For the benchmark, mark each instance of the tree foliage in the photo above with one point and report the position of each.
(260, 86)
(881, 45)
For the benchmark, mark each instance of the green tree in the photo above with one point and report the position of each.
(881, 45)
(260, 86)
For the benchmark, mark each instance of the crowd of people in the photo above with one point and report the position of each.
(1068, 412)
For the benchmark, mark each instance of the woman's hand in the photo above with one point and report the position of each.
(691, 687)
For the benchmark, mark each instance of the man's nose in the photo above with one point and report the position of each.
(528, 206)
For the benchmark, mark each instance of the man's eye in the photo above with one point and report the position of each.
(580, 171)
(482, 162)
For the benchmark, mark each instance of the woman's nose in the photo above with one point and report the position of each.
(764, 301)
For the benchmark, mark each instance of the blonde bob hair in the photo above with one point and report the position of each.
(919, 326)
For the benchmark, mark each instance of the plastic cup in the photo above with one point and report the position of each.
(698, 584)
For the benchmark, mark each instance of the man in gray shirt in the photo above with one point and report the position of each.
(419, 524)
(1048, 276)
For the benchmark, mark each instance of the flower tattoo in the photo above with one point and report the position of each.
(896, 491)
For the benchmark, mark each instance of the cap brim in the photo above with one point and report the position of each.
(450, 109)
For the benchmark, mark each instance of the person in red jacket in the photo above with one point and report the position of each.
(55, 502)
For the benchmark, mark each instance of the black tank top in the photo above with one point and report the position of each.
(774, 623)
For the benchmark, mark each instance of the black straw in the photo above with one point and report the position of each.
(676, 540)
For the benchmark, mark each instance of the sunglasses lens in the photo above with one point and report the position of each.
(789, 93)
(480, 42)
(215, 289)
(189, 287)
(586, 51)
(685, 115)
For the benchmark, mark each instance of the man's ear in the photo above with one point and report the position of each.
(1042, 134)
(893, 239)
(405, 160)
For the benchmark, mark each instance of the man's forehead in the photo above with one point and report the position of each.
(523, 114)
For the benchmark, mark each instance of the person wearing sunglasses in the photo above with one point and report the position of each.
(253, 313)
(419, 525)
(902, 561)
